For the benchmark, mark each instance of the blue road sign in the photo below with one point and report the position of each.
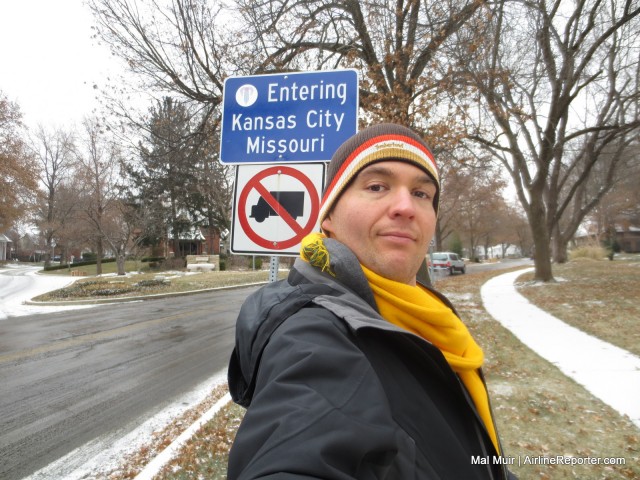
(289, 117)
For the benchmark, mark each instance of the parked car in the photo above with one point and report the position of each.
(448, 261)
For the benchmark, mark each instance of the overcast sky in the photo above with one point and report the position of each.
(48, 61)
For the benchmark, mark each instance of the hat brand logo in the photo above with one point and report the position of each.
(380, 146)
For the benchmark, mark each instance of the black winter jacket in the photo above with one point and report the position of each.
(336, 392)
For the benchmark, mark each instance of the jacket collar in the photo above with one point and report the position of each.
(346, 274)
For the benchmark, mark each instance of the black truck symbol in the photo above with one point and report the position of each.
(292, 202)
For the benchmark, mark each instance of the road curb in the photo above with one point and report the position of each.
(169, 453)
(137, 298)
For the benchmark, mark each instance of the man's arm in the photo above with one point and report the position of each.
(318, 410)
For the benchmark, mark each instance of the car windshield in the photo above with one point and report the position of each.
(440, 256)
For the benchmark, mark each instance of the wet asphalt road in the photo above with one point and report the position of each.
(70, 377)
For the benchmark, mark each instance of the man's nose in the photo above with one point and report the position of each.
(402, 203)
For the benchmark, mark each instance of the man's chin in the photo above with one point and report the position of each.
(390, 270)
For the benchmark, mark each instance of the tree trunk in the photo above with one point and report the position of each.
(559, 249)
(99, 253)
(176, 243)
(438, 238)
(47, 252)
(120, 259)
(542, 254)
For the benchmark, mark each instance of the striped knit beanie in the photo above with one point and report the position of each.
(385, 141)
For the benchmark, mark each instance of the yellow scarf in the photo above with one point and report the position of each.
(419, 311)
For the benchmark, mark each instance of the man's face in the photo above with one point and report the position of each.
(386, 217)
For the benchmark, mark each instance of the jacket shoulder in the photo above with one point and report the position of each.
(262, 313)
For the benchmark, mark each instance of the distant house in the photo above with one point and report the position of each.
(4, 247)
(29, 248)
(197, 241)
(628, 238)
(497, 251)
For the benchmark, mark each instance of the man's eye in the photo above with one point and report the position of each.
(421, 194)
(375, 188)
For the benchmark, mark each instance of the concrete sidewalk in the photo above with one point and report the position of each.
(608, 372)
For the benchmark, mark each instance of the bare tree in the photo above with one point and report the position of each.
(616, 165)
(181, 49)
(518, 232)
(456, 178)
(476, 218)
(115, 221)
(122, 229)
(54, 153)
(99, 176)
(178, 48)
(186, 49)
(395, 45)
(401, 50)
(559, 83)
(72, 231)
(500, 229)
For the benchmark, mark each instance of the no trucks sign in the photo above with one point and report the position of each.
(275, 207)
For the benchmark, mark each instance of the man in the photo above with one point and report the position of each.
(353, 368)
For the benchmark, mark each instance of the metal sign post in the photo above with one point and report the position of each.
(274, 265)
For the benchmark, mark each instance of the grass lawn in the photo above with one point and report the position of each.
(609, 294)
(540, 412)
(108, 268)
(152, 283)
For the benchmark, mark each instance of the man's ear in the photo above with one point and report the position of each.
(326, 225)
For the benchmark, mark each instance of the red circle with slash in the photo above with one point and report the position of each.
(300, 231)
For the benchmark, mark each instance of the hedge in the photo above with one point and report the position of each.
(77, 264)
